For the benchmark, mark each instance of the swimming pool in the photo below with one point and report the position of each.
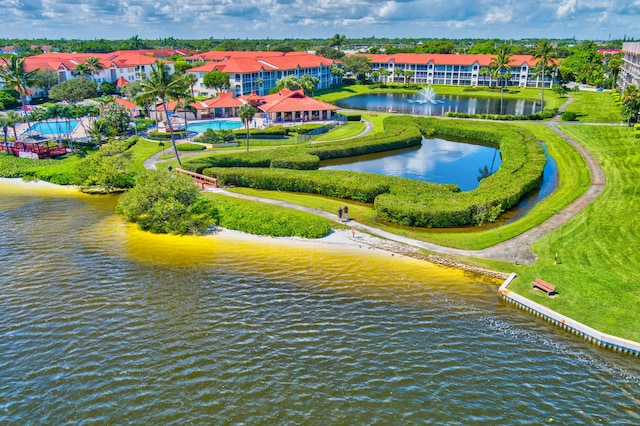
(54, 128)
(202, 126)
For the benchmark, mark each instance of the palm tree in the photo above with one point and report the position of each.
(501, 64)
(631, 103)
(190, 80)
(5, 124)
(82, 70)
(14, 75)
(407, 75)
(246, 113)
(185, 105)
(338, 40)
(14, 118)
(161, 84)
(94, 66)
(384, 73)
(543, 51)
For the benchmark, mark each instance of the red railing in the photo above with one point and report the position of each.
(33, 150)
(202, 181)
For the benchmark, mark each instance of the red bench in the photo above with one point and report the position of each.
(544, 286)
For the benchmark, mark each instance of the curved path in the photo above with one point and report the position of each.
(516, 249)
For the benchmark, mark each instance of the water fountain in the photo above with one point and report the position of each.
(426, 96)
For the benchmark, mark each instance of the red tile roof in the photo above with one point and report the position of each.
(224, 100)
(446, 59)
(172, 105)
(289, 101)
(125, 103)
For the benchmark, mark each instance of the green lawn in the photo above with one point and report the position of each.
(347, 130)
(598, 277)
(594, 107)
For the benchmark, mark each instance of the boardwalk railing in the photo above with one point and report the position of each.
(202, 181)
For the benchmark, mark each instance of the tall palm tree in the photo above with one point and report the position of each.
(14, 75)
(631, 103)
(94, 66)
(543, 52)
(338, 40)
(14, 118)
(161, 84)
(246, 113)
(5, 124)
(500, 63)
(82, 70)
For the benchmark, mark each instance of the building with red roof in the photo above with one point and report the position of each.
(259, 71)
(119, 66)
(291, 105)
(454, 69)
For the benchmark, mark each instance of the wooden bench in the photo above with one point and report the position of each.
(544, 286)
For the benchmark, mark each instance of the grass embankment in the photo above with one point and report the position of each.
(347, 130)
(594, 107)
(599, 261)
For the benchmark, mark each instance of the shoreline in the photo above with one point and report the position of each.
(342, 238)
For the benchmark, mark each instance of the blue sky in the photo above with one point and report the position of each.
(197, 19)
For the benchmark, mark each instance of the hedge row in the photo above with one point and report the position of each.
(523, 161)
(397, 200)
(164, 136)
(397, 136)
(546, 113)
(190, 147)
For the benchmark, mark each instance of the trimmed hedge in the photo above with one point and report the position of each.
(190, 147)
(546, 113)
(397, 200)
(162, 136)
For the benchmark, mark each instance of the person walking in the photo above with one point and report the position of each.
(340, 213)
(345, 209)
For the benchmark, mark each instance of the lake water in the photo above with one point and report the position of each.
(436, 160)
(412, 104)
(103, 324)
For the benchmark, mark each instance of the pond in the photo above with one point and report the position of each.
(428, 102)
(436, 160)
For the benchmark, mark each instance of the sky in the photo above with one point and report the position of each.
(278, 19)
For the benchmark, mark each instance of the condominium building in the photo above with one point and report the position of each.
(259, 72)
(453, 69)
(630, 69)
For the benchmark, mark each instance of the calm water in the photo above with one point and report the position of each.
(436, 160)
(202, 126)
(102, 324)
(53, 128)
(409, 104)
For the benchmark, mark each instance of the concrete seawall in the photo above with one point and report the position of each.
(596, 337)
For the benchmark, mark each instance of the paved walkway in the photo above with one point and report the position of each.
(515, 249)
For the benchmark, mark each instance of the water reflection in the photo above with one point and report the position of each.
(436, 160)
(440, 105)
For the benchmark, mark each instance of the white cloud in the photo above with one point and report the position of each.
(566, 9)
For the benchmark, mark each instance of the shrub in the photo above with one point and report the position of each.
(164, 136)
(569, 116)
(164, 203)
(351, 117)
(190, 147)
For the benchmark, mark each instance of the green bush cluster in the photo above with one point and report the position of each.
(164, 136)
(215, 136)
(299, 161)
(50, 170)
(266, 219)
(546, 113)
(351, 117)
(616, 97)
(569, 116)
(331, 183)
(186, 147)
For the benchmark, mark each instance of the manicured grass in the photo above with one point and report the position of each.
(347, 130)
(594, 107)
(144, 149)
(597, 277)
